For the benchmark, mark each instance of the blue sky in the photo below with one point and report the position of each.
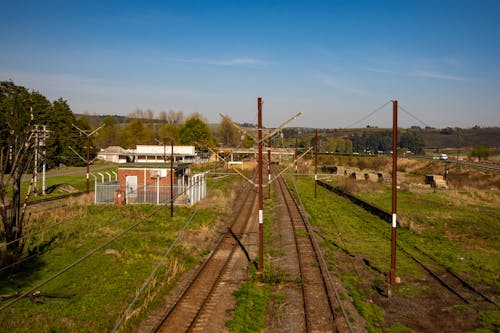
(335, 61)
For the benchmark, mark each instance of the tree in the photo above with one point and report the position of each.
(372, 141)
(481, 152)
(413, 142)
(109, 134)
(195, 132)
(228, 133)
(170, 131)
(63, 135)
(136, 134)
(16, 156)
(172, 117)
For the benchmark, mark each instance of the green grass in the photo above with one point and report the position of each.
(64, 184)
(253, 299)
(490, 321)
(373, 314)
(459, 230)
(104, 284)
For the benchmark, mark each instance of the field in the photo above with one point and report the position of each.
(459, 230)
(124, 244)
(68, 180)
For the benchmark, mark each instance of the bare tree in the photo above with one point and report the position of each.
(174, 117)
(162, 116)
(228, 134)
(149, 115)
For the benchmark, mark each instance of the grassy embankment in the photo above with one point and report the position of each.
(102, 286)
(460, 230)
(66, 180)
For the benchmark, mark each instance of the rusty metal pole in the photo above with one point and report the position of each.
(394, 189)
(172, 179)
(269, 168)
(315, 162)
(88, 163)
(295, 158)
(260, 194)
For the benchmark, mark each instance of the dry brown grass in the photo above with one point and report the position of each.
(39, 218)
(474, 197)
(172, 269)
(348, 184)
(199, 238)
(366, 186)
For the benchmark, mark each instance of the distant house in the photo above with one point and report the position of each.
(148, 154)
(115, 154)
(161, 153)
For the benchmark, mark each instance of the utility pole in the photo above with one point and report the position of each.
(171, 170)
(295, 158)
(260, 194)
(315, 162)
(88, 134)
(269, 167)
(260, 141)
(35, 170)
(394, 189)
(172, 179)
(45, 136)
(40, 133)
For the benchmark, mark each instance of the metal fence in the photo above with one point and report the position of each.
(153, 194)
(195, 190)
(105, 192)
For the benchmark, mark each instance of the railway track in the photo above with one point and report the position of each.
(443, 275)
(476, 165)
(52, 202)
(448, 279)
(322, 309)
(191, 311)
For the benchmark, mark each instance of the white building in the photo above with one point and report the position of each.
(148, 154)
(160, 153)
(115, 154)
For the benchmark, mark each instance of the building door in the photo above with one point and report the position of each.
(131, 182)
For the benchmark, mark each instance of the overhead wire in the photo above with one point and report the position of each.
(155, 269)
(75, 263)
(48, 226)
(413, 116)
(45, 228)
(369, 114)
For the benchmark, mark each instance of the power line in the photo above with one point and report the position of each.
(88, 134)
(153, 272)
(35, 233)
(369, 115)
(411, 115)
(67, 268)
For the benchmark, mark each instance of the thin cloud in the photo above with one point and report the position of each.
(331, 82)
(436, 75)
(101, 96)
(226, 62)
(379, 70)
